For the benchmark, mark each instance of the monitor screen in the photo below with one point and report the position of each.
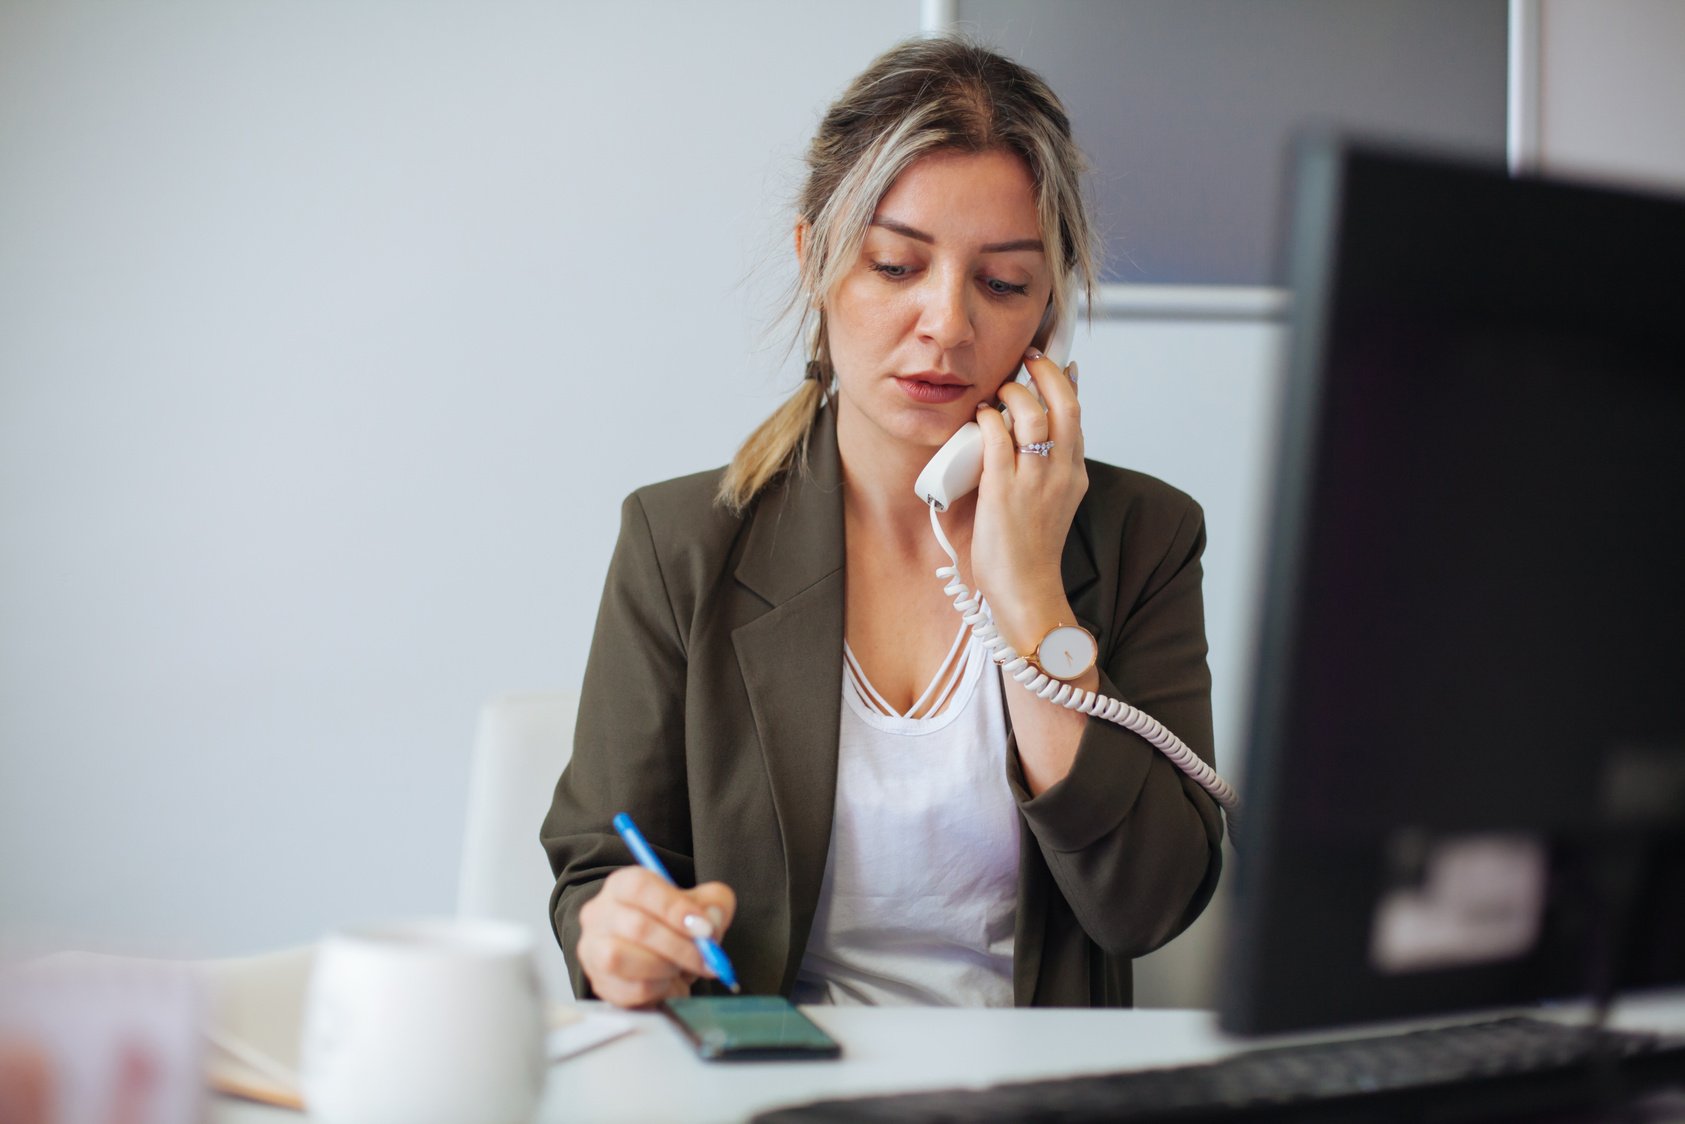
(1465, 758)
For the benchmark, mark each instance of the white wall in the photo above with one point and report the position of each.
(330, 338)
(1612, 90)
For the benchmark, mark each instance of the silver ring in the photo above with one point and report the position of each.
(1039, 448)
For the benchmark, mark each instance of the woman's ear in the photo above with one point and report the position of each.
(803, 230)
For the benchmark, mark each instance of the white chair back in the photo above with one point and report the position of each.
(524, 742)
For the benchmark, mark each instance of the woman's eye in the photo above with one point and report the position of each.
(890, 270)
(1005, 288)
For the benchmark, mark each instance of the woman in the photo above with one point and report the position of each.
(781, 694)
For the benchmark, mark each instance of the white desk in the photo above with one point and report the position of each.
(652, 1075)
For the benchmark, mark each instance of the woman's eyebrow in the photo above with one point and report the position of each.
(918, 235)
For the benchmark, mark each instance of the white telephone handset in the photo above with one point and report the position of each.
(955, 471)
(957, 467)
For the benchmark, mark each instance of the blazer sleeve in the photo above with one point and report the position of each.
(628, 753)
(1133, 845)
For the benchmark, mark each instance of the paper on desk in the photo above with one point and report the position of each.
(256, 1012)
(585, 1032)
(238, 1068)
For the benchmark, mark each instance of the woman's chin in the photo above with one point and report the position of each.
(931, 428)
(927, 438)
(925, 429)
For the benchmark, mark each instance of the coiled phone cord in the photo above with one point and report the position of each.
(1039, 683)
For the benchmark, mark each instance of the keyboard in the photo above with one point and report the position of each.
(1474, 1071)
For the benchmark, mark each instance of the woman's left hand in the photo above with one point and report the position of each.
(1026, 502)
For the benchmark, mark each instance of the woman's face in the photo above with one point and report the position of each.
(950, 287)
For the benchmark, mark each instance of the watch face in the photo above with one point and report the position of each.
(1066, 652)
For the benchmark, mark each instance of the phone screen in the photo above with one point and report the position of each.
(750, 1027)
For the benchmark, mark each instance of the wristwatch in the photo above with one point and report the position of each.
(1065, 653)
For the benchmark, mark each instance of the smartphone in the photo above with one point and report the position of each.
(727, 1028)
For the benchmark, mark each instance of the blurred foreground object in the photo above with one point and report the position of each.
(89, 1039)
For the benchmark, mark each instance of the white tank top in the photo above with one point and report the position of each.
(921, 886)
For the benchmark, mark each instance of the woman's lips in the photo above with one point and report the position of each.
(935, 392)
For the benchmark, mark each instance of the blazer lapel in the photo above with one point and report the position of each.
(791, 661)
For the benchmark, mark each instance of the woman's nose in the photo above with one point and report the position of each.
(945, 318)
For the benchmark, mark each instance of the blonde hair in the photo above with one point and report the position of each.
(922, 96)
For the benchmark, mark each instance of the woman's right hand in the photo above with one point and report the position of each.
(636, 936)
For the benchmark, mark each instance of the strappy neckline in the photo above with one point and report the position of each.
(938, 696)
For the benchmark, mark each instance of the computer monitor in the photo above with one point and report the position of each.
(1465, 761)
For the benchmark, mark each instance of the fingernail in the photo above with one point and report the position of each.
(717, 916)
(1071, 371)
(699, 927)
(1032, 354)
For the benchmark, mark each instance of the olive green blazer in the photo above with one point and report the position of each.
(711, 707)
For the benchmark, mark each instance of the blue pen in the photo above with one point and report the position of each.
(712, 954)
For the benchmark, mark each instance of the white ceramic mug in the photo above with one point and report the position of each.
(424, 1022)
